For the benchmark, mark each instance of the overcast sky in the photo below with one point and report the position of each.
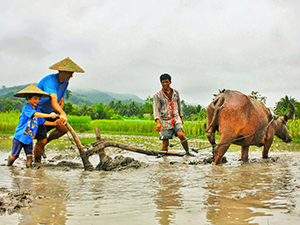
(124, 46)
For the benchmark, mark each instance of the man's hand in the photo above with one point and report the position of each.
(53, 115)
(63, 118)
(158, 126)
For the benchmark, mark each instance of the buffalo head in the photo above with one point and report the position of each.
(281, 125)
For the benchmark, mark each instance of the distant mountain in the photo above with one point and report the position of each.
(82, 96)
(89, 97)
(9, 92)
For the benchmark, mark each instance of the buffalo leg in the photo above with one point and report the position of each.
(244, 153)
(211, 138)
(219, 151)
(267, 146)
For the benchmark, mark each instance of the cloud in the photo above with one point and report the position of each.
(125, 46)
(22, 47)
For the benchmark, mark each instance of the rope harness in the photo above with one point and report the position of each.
(224, 143)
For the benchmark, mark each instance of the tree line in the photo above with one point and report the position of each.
(132, 110)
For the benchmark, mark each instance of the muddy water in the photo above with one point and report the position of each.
(165, 191)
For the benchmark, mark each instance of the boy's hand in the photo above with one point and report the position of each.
(53, 115)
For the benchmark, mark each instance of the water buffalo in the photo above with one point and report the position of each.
(238, 116)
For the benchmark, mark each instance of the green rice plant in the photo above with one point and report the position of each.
(294, 128)
(142, 127)
(80, 123)
(194, 128)
(9, 122)
(125, 127)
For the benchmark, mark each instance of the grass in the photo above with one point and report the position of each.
(9, 121)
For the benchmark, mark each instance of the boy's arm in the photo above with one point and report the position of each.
(45, 115)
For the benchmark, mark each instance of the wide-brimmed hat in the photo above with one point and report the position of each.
(31, 90)
(67, 65)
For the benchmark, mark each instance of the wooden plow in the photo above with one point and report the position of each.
(101, 143)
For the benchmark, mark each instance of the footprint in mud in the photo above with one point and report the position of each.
(261, 160)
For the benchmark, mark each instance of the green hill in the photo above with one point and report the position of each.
(82, 96)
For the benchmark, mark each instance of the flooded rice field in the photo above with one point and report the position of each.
(165, 190)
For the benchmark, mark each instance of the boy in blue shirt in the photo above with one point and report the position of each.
(29, 120)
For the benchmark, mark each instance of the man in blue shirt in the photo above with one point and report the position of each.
(56, 86)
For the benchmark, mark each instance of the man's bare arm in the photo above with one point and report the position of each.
(56, 106)
(61, 103)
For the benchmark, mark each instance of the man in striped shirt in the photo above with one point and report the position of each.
(168, 114)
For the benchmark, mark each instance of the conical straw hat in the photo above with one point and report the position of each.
(67, 65)
(31, 89)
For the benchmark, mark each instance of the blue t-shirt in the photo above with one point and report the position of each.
(28, 124)
(51, 85)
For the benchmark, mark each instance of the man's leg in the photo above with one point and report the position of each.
(185, 145)
(39, 149)
(165, 145)
(57, 133)
(165, 135)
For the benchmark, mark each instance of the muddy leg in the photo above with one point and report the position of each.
(29, 161)
(220, 151)
(185, 145)
(39, 149)
(57, 133)
(11, 160)
(244, 153)
(265, 153)
(165, 145)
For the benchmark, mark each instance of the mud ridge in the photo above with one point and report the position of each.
(14, 201)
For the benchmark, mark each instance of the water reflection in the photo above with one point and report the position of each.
(239, 194)
(48, 210)
(168, 196)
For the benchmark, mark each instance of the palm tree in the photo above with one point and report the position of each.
(68, 94)
(282, 106)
